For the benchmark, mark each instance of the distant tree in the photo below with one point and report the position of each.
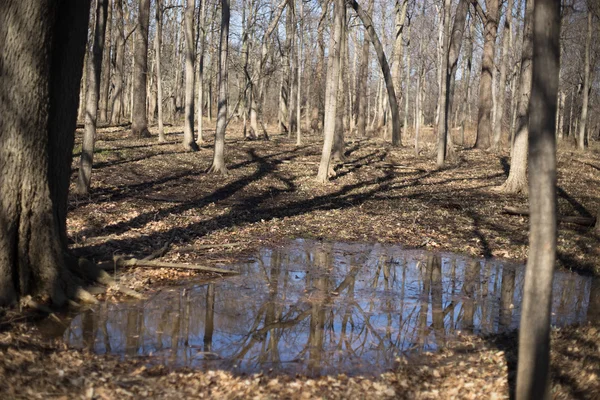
(190, 54)
(586, 84)
(534, 334)
(92, 99)
(158, 17)
(41, 62)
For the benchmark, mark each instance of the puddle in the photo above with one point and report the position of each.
(317, 308)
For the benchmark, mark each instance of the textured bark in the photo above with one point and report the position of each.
(534, 335)
(337, 153)
(105, 77)
(299, 54)
(333, 72)
(444, 89)
(92, 99)
(385, 69)
(41, 55)
(467, 81)
(400, 8)
(139, 120)
(189, 143)
(484, 119)
(456, 39)
(517, 177)
(117, 97)
(407, 94)
(292, 121)
(202, 43)
(363, 77)
(157, 54)
(218, 165)
(581, 142)
(503, 72)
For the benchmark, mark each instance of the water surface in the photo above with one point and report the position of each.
(318, 308)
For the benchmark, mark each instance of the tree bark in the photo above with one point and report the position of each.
(363, 77)
(42, 62)
(517, 177)
(117, 97)
(218, 165)
(467, 79)
(581, 142)
(92, 99)
(400, 9)
(299, 53)
(158, 16)
(105, 77)
(189, 144)
(443, 104)
(385, 69)
(139, 126)
(335, 50)
(484, 120)
(534, 334)
(503, 72)
(338, 148)
(202, 44)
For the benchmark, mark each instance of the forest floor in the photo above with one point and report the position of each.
(146, 194)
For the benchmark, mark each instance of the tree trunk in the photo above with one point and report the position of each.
(400, 9)
(105, 77)
(407, 93)
(581, 143)
(117, 98)
(42, 62)
(92, 97)
(292, 121)
(534, 334)
(139, 126)
(503, 71)
(517, 177)
(189, 144)
(158, 54)
(335, 50)
(338, 148)
(467, 79)
(299, 53)
(385, 69)
(456, 39)
(443, 130)
(363, 77)
(218, 165)
(202, 44)
(484, 120)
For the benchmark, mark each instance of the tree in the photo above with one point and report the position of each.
(218, 165)
(41, 62)
(105, 77)
(190, 54)
(333, 71)
(92, 97)
(362, 76)
(139, 125)
(484, 120)
(444, 89)
(117, 98)
(534, 334)
(517, 177)
(586, 85)
(158, 16)
(503, 73)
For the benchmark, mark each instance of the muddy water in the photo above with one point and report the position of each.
(316, 308)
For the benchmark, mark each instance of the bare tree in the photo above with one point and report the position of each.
(92, 97)
(117, 97)
(362, 76)
(504, 57)
(534, 334)
(105, 75)
(517, 177)
(586, 85)
(218, 164)
(189, 143)
(158, 16)
(139, 126)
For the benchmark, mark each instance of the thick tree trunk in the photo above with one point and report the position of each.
(517, 177)
(581, 143)
(338, 148)
(202, 50)
(42, 61)
(333, 71)
(484, 119)
(117, 97)
(158, 55)
(218, 165)
(139, 125)
(503, 72)
(292, 121)
(534, 334)
(92, 99)
(456, 39)
(105, 77)
(385, 69)
(189, 144)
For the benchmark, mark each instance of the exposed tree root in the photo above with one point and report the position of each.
(217, 169)
(134, 262)
(96, 274)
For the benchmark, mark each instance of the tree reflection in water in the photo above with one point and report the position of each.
(318, 308)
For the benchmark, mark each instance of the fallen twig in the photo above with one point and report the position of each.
(584, 221)
(134, 262)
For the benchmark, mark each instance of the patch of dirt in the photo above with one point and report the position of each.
(146, 194)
